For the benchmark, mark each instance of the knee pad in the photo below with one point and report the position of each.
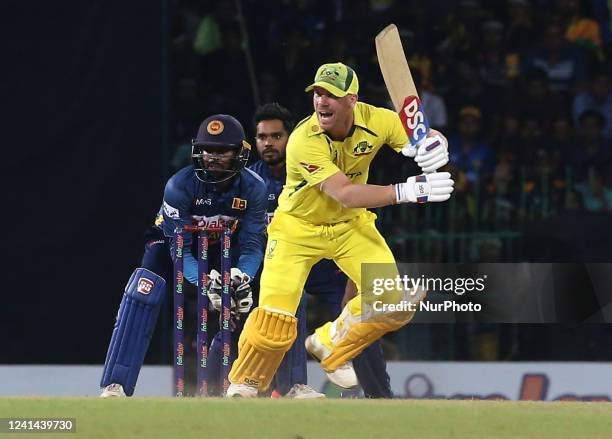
(134, 327)
(266, 336)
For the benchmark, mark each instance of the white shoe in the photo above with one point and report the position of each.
(113, 390)
(241, 391)
(303, 391)
(344, 376)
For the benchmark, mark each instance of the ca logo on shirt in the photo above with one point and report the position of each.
(362, 148)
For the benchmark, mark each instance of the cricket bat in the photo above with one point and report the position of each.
(401, 88)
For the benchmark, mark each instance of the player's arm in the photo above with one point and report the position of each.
(176, 209)
(435, 187)
(252, 243)
(349, 194)
(252, 236)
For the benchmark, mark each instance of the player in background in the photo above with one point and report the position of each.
(322, 214)
(273, 124)
(217, 190)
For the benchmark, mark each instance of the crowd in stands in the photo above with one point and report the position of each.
(521, 88)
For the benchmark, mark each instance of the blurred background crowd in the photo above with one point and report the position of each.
(521, 88)
(102, 112)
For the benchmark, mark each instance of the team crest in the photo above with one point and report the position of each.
(215, 127)
(239, 204)
(329, 75)
(310, 167)
(362, 148)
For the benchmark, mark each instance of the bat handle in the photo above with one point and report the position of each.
(410, 150)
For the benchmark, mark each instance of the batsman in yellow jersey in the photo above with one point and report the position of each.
(322, 214)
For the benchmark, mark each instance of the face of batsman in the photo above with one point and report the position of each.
(335, 114)
(219, 151)
(271, 138)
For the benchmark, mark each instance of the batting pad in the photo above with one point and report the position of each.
(266, 336)
(350, 335)
(134, 327)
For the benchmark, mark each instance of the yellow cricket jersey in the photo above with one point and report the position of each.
(313, 157)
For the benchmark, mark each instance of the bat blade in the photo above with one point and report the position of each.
(394, 66)
(400, 85)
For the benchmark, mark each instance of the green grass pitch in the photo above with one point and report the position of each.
(338, 419)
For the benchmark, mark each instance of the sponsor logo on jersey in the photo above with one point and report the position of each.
(200, 201)
(310, 167)
(159, 220)
(171, 212)
(217, 221)
(271, 197)
(363, 148)
(239, 203)
(145, 286)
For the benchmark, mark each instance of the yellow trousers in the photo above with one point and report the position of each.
(294, 246)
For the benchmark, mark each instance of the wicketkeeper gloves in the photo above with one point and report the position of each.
(242, 294)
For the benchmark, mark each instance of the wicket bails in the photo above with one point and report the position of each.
(203, 307)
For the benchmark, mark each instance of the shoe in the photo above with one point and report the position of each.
(113, 390)
(241, 391)
(344, 376)
(303, 391)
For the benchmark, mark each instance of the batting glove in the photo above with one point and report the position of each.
(242, 294)
(430, 154)
(434, 187)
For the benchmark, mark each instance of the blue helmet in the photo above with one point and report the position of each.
(217, 136)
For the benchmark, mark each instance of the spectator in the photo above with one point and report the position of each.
(562, 62)
(520, 32)
(598, 97)
(468, 89)
(225, 75)
(461, 29)
(591, 150)
(208, 38)
(579, 29)
(495, 66)
(469, 153)
(596, 191)
(535, 99)
(434, 104)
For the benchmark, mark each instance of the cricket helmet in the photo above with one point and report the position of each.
(217, 135)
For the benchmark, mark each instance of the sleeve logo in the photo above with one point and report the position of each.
(310, 167)
(171, 212)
